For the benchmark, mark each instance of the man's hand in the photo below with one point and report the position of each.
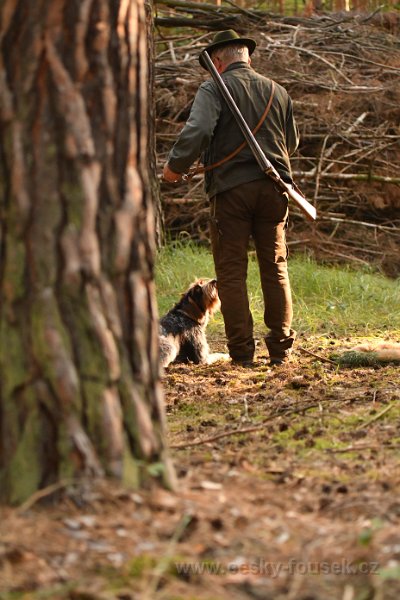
(170, 176)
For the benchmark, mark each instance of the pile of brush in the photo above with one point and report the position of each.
(343, 75)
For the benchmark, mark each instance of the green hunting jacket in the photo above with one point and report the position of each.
(212, 133)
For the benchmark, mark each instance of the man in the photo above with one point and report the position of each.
(244, 201)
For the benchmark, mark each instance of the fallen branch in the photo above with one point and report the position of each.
(352, 449)
(321, 358)
(363, 223)
(40, 494)
(205, 23)
(375, 418)
(346, 256)
(204, 6)
(347, 176)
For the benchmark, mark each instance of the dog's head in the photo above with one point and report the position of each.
(201, 298)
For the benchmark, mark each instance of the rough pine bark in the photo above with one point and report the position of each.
(80, 393)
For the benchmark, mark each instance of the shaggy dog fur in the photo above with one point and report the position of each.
(182, 329)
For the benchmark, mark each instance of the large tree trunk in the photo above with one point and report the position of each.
(80, 393)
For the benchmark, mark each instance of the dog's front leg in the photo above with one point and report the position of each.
(199, 348)
(205, 357)
(168, 350)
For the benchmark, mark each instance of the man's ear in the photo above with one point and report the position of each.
(217, 62)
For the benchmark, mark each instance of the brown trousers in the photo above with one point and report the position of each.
(260, 210)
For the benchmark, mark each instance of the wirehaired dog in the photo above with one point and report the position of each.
(183, 328)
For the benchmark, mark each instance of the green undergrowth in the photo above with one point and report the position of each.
(328, 300)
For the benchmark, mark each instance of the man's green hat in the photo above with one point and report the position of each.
(223, 38)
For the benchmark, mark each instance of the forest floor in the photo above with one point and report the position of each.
(306, 506)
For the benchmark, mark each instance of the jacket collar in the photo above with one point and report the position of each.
(237, 65)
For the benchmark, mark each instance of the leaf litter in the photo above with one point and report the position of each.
(304, 506)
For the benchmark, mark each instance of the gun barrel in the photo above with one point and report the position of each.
(266, 166)
(248, 134)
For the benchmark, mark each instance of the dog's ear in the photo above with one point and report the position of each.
(191, 289)
(197, 295)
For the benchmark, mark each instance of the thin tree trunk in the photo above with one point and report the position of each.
(80, 393)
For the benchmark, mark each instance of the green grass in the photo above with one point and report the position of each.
(328, 300)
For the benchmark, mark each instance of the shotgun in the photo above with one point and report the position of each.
(266, 166)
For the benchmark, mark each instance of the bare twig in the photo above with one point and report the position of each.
(321, 358)
(375, 417)
(40, 494)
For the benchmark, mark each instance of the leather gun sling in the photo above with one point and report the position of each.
(199, 169)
